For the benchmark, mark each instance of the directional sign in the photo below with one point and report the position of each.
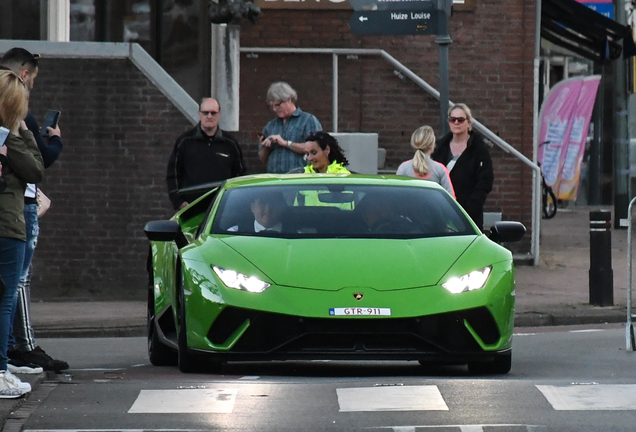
(382, 5)
(603, 8)
(406, 22)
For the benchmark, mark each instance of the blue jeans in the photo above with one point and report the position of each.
(22, 337)
(11, 260)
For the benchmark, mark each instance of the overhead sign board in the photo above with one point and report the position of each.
(395, 5)
(606, 9)
(389, 22)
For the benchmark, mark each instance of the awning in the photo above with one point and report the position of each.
(582, 30)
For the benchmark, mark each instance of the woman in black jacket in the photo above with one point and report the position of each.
(467, 158)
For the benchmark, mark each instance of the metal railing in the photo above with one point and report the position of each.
(188, 106)
(335, 52)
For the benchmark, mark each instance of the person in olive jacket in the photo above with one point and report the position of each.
(467, 158)
(3, 161)
(24, 165)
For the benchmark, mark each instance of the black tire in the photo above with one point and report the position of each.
(158, 353)
(549, 202)
(501, 365)
(186, 361)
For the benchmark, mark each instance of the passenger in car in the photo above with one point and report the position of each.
(379, 217)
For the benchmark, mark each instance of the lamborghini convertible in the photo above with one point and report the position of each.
(299, 267)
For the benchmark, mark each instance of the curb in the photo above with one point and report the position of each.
(575, 317)
(91, 332)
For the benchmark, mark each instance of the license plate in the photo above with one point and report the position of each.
(351, 311)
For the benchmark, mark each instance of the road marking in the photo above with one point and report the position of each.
(612, 397)
(587, 331)
(116, 430)
(462, 428)
(184, 401)
(394, 398)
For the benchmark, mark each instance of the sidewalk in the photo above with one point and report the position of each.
(556, 292)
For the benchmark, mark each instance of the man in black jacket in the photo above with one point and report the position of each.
(203, 155)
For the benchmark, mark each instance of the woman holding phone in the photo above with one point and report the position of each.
(24, 165)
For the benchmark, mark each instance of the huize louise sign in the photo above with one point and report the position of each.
(394, 17)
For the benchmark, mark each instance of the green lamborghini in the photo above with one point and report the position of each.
(300, 267)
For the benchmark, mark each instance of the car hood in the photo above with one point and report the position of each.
(332, 264)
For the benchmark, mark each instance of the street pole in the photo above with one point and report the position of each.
(621, 137)
(443, 40)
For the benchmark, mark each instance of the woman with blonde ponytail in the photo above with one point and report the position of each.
(422, 166)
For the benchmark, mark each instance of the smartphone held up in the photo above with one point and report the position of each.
(50, 120)
(4, 133)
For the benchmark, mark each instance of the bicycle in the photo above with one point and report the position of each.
(548, 198)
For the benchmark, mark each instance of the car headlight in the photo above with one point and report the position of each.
(239, 281)
(469, 282)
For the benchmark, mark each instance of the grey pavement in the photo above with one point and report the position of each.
(555, 292)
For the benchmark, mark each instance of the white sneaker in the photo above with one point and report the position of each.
(11, 387)
(25, 368)
(25, 386)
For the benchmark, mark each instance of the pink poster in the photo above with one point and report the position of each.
(564, 123)
(573, 157)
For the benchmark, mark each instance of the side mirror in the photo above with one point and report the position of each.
(162, 230)
(507, 231)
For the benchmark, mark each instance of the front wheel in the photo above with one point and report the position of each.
(186, 361)
(158, 353)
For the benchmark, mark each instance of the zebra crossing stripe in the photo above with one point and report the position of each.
(591, 397)
(399, 398)
(184, 401)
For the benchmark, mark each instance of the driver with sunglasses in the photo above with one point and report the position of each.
(467, 158)
(204, 154)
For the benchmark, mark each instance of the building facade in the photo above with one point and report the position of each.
(118, 129)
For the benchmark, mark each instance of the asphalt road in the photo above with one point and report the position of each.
(570, 378)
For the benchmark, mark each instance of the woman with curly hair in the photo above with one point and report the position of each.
(324, 154)
(422, 166)
(23, 165)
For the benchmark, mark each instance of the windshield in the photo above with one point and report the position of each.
(327, 211)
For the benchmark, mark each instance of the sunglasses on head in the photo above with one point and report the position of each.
(458, 120)
(34, 59)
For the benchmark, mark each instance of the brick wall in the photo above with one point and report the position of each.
(491, 69)
(118, 129)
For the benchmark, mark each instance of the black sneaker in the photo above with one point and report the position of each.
(41, 358)
(17, 366)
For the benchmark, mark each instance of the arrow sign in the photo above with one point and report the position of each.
(400, 5)
(406, 22)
